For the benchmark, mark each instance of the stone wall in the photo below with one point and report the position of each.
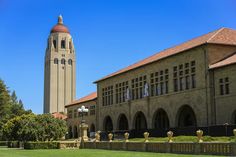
(164, 147)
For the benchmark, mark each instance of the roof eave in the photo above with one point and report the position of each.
(149, 63)
(79, 103)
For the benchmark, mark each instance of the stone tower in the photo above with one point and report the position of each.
(59, 73)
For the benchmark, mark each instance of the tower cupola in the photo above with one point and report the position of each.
(60, 27)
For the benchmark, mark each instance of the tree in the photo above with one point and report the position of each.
(53, 128)
(5, 101)
(21, 128)
(30, 127)
(9, 106)
(17, 107)
(14, 98)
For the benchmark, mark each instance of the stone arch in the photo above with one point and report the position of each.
(160, 119)
(107, 124)
(63, 61)
(70, 133)
(140, 121)
(55, 61)
(186, 117)
(92, 128)
(122, 122)
(75, 132)
(233, 119)
(70, 61)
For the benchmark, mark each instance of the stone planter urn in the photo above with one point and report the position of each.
(170, 136)
(97, 136)
(234, 131)
(126, 137)
(199, 136)
(110, 135)
(146, 135)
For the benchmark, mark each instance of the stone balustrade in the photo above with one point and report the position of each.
(199, 147)
(68, 144)
(165, 147)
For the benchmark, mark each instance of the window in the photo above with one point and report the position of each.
(70, 114)
(152, 90)
(63, 44)
(224, 86)
(181, 83)
(193, 76)
(175, 85)
(187, 82)
(75, 113)
(63, 61)
(182, 75)
(55, 44)
(55, 61)
(92, 110)
(175, 75)
(70, 62)
(159, 82)
(107, 96)
(193, 81)
(137, 85)
(221, 89)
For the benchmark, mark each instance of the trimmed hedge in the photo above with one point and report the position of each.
(41, 145)
(3, 143)
(13, 144)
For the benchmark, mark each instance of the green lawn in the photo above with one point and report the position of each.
(5, 152)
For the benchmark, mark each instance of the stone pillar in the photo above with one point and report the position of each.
(84, 132)
(197, 148)
(233, 149)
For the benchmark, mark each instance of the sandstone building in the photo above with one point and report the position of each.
(191, 84)
(59, 77)
(74, 118)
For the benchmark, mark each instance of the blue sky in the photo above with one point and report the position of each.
(108, 35)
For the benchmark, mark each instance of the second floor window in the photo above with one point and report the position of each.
(224, 86)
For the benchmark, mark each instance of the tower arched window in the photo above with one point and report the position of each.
(70, 61)
(55, 44)
(70, 46)
(63, 44)
(55, 61)
(63, 61)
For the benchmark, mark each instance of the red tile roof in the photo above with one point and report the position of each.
(89, 97)
(221, 36)
(60, 28)
(228, 61)
(59, 115)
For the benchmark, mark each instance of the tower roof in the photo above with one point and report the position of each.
(60, 27)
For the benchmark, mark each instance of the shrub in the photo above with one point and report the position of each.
(13, 144)
(41, 145)
(3, 143)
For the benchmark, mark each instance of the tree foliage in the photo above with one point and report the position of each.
(32, 127)
(9, 106)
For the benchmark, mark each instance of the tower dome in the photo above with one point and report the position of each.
(60, 27)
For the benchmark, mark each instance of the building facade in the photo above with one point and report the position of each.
(59, 73)
(74, 117)
(190, 85)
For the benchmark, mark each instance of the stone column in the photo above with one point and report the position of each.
(84, 132)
